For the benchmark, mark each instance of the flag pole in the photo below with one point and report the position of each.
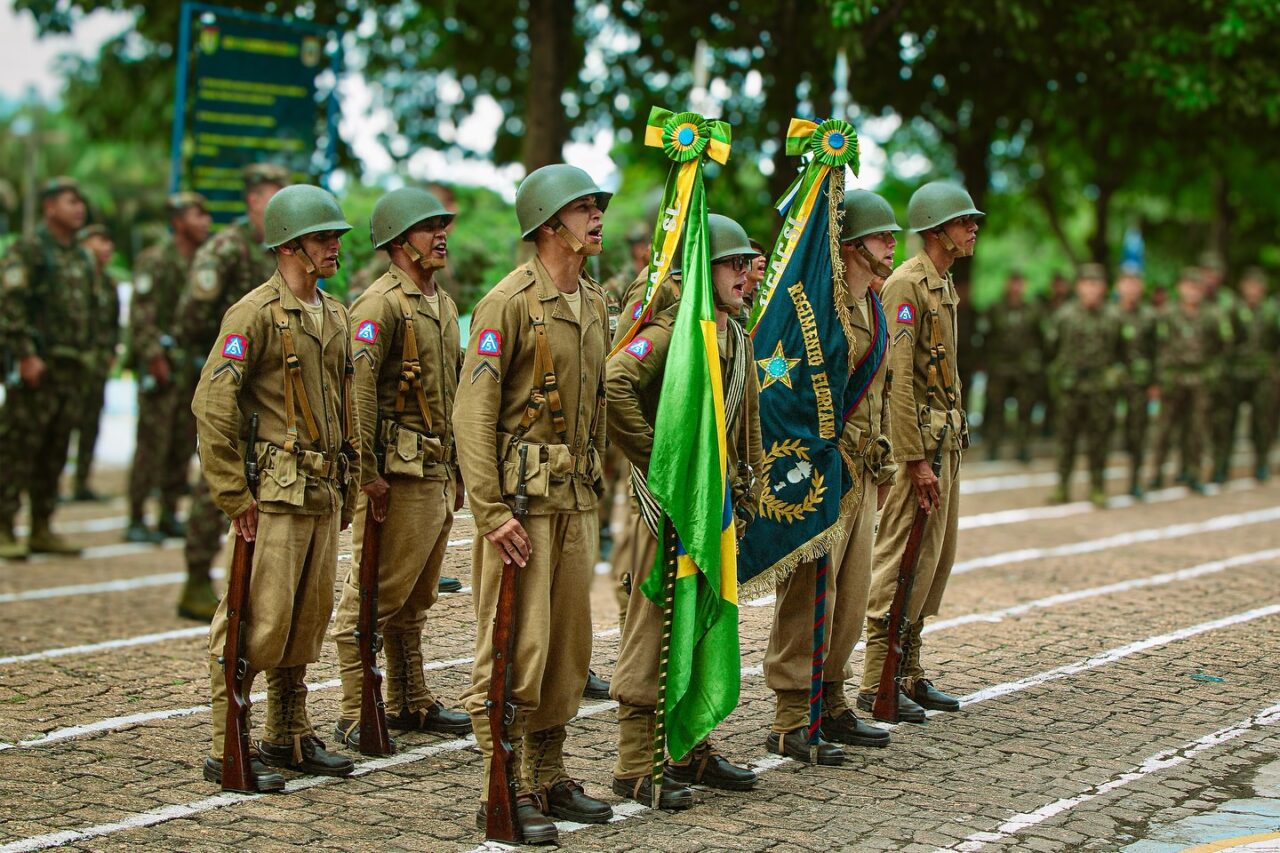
(664, 656)
(819, 652)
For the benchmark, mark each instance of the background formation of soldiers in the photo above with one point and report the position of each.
(383, 409)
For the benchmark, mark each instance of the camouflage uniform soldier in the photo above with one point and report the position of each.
(307, 489)
(635, 384)
(45, 319)
(534, 376)
(1086, 353)
(1254, 376)
(1013, 352)
(166, 432)
(96, 239)
(867, 246)
(921, 301)
(1137, 385)
(1188, 333)
(224, 270)
(407, 358)
(1223, 304)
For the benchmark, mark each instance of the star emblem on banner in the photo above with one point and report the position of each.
(777, 368)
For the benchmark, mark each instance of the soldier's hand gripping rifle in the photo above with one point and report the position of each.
(374, 739)
(237, 773)
(886, 704)
(500, 805)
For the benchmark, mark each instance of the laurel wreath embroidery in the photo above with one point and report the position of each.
(784, 511)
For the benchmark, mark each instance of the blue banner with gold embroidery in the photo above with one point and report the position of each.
(802, 344)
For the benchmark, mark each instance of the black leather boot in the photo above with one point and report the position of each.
(847, 728)
(568, 801)
(795, 744)
(674, 797)
(308, 756)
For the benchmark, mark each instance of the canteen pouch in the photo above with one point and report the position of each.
(595, 470)
(279, 481)
(537, 475)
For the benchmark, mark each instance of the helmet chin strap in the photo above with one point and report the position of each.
(948, 243)
(309, 264)
(878, 266)
(571, 240)
(426, 262)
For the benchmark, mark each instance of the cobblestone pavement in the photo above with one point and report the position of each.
(1118, 667)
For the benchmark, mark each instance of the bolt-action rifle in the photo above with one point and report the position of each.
(237, 773)
(500, 807)
(374, 739)
(886, 704)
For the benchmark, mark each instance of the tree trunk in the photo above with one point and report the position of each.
(782, 73)
(1220, 225)
(1099, 250)
(550, 37)
(972, 147)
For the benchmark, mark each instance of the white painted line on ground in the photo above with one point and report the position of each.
(1121, 540)
(150, 818)
(1116, 654)
(1162, 760)
(122, 585)
(1088, 546)
(107, 645)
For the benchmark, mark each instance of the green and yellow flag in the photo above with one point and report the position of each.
(688, 473)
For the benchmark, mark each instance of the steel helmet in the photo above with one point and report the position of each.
(399, 210)
(550, 188)
(301, 209)
(936, 203)
(727, 238)
(866, 213)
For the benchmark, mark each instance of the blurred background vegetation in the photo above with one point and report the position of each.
(1073, 125)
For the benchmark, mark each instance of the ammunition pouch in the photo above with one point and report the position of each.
(408, 453)
(283, 476)
(932, 423)
(552, 470)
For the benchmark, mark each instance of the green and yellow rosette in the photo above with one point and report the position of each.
(688, 139)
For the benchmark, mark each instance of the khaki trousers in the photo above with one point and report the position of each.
(413, 542)
(295, 561)
(628, 557)
(788, 662)
(937, 555)
(553, 636)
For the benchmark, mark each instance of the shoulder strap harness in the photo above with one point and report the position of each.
(410, 365)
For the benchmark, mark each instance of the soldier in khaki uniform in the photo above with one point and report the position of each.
(46, 307)
(284, 353)
(407, 357)
(534, 375)
(866, 248)
(165, 435)
(920, 304)
(224, 270)
(96, 239)
(627, 558)
(634, 387)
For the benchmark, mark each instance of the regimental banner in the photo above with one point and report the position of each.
(253, 99)
(803, 345)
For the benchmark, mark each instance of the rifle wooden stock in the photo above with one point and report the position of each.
(237, 772)
(374, 739)
(886, 703)
(500, 802)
